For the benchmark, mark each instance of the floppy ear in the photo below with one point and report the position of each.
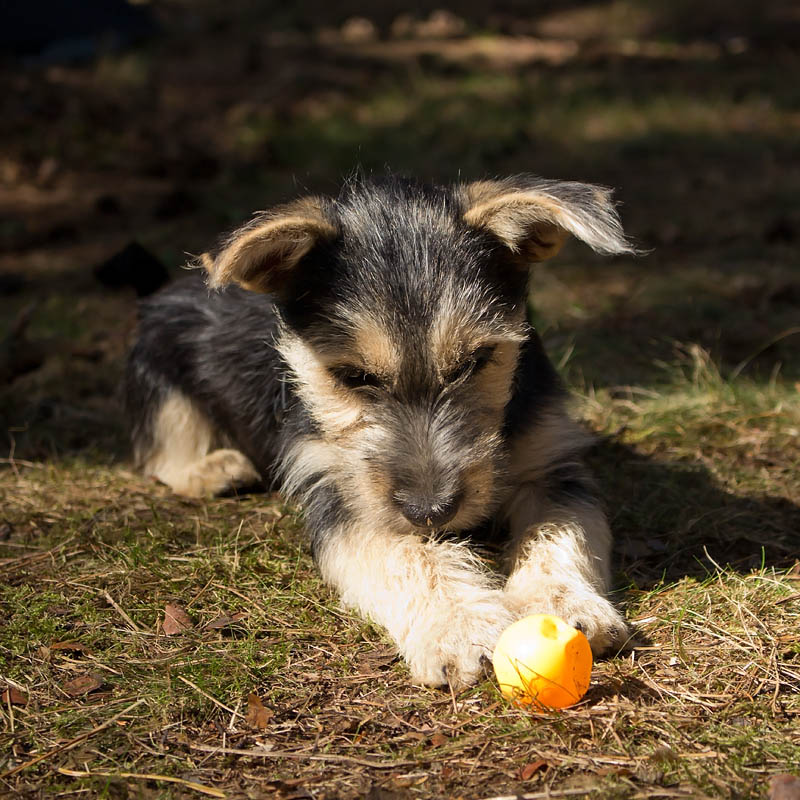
(533, 217)
(261, 255)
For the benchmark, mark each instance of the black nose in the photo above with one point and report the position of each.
(429, 512)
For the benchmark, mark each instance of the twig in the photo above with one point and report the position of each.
(452, 692)
(120, 611)
(330, 757)
(10, 711)
(211, 697)
(38, 556)
(737, 370)
(147, 776)
(789, 599)
(233, 716)
(72, 742)
(14, 461)
(544, 795)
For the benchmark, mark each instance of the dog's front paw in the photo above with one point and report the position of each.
(604, 626)
(450, 645)
(601, 623)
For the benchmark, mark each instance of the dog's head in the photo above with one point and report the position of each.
(402, 317)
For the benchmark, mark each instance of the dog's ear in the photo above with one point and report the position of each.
(533, 217)
(261, 255)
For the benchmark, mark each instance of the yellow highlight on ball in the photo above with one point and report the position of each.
(542, 662)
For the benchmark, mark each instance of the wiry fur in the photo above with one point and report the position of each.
(375, 360)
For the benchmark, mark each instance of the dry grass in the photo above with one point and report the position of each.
(708, 700)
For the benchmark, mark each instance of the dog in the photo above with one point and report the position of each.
(370, 354)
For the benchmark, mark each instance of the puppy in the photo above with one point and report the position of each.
(371, 354)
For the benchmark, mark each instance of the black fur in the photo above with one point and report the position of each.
(408, 258)
(216, 346)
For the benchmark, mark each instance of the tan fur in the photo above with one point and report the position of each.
(335, 408)
(530, 223)
(558, 558)
(535, 223)
(554, 439)
(434, 598)
(393, 453)
(311, 457)
(374, 349)
(562, 568)
(494, 382)
(261, 255)
(182, 454)
(456, 334)
(373, 488)
(365, 488)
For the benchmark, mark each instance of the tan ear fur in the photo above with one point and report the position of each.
(261, 255)
(533, 217)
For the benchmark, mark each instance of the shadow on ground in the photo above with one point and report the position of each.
(674, 520)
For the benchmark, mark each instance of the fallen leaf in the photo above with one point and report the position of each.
(76, 647)
(664, 753)
(82, 685)
(438, 739)
(411, 779)
(14, 696)
(223, 620)
(176, 620)
(529, 770)
(605, 771)
(784, 787)
(258, 715)
(292, 783)
(382, 793)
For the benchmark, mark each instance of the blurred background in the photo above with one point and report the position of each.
(132, 134)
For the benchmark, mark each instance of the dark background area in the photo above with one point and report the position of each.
(132, 135)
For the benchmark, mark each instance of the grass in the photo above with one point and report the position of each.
(684, 362)
(710, 698)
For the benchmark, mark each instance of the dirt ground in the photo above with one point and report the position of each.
(118, 162)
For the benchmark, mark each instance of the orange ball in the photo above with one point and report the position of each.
(542, 662)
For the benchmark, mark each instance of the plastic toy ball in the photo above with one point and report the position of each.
(542, 662)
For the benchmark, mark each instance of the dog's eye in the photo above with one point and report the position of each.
(355, 378)
(475, 363)
(482, 356)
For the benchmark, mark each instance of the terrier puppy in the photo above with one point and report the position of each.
(371, 354)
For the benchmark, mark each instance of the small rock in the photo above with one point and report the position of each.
(135, 267)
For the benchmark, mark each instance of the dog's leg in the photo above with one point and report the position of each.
(437, 601)
(558, 559)
(181, 452)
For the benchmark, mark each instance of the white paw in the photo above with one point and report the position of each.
(218, 472)
(585, 609)
(450, 643)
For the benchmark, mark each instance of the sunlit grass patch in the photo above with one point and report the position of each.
(725, 424)
(705, 699)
